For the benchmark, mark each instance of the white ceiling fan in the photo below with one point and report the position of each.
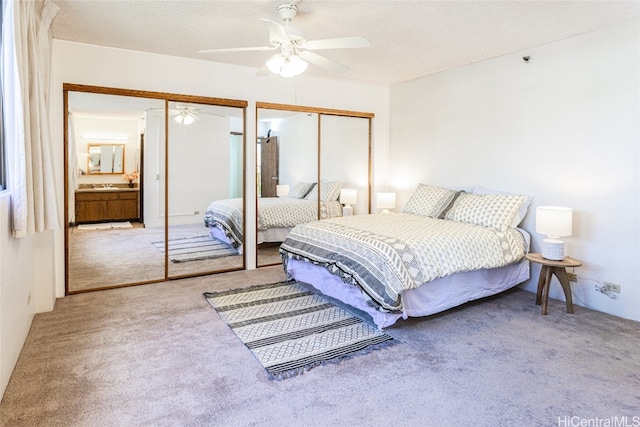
(295, 50)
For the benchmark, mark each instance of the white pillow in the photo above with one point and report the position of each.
(488, 210)
(429, 200)
(522, 211)
(300, 190)
(329, 191)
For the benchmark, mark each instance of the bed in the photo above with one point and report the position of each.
(445, 248)
(276, 215)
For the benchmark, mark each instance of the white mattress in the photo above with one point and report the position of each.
(430, 298)
(270, 235)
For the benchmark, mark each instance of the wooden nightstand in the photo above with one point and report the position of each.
(550, 268)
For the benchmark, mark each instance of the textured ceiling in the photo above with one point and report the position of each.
(409, 39)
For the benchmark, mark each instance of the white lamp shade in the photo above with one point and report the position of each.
(282, 190)
(274, 64)
(348, 196)
(554, 221)
(386, 200)
(286, 65)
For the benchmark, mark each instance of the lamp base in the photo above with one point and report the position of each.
(347, 210)
(553, 249)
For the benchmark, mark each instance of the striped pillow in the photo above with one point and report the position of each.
(488, 210)
(429, 200)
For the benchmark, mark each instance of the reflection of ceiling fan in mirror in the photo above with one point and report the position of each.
(185, 114)
(295, 51)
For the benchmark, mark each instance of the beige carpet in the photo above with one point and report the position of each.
(116, 256)
(268, 254)
(158, 355)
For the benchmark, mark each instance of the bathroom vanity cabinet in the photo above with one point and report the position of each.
(107, 204)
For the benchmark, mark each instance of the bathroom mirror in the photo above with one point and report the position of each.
(298, 145)
(120, 226)
(105, 158)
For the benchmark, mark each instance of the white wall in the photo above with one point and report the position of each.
(344, 147)
(297, 148)
(348, 136)
(199, 164)
(17, 292)
(563, 127)
(198, 167)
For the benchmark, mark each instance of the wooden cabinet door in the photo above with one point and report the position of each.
(100, 206)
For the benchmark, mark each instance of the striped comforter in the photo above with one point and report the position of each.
(387, 254)
(273, 212)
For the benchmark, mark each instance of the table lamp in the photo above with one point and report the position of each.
(282, 190)
(348, 197)
(386, 201)
(554, 222)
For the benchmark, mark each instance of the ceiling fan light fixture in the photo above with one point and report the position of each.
(188, 119)
(286, 66)
(274, 64)
(184, 118)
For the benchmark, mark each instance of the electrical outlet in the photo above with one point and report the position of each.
(612, 287)
(573, 277)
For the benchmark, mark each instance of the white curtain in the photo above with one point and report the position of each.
(26, 60)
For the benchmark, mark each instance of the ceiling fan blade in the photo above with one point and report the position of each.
(323, 62)
(277, 33)
(238, 49)
(339, 43)
(211, 114)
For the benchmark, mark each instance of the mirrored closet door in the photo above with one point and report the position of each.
(141, 169)
(305, 156)
(205, 167)
(287, 160)
(345, 154)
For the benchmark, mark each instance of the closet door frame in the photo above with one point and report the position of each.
(166, 96)
(320, 113)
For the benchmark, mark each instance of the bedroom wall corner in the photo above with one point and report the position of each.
(562, 127)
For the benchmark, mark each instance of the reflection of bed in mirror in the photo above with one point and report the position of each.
(446, 248)
(276, 215)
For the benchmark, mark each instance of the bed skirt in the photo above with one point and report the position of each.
(430, 298)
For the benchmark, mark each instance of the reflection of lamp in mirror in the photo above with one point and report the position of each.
(282, 190)
(554, 222)
(348, 197)
(386, 201)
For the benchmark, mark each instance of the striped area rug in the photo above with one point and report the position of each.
(196, 248)
(290, 329)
